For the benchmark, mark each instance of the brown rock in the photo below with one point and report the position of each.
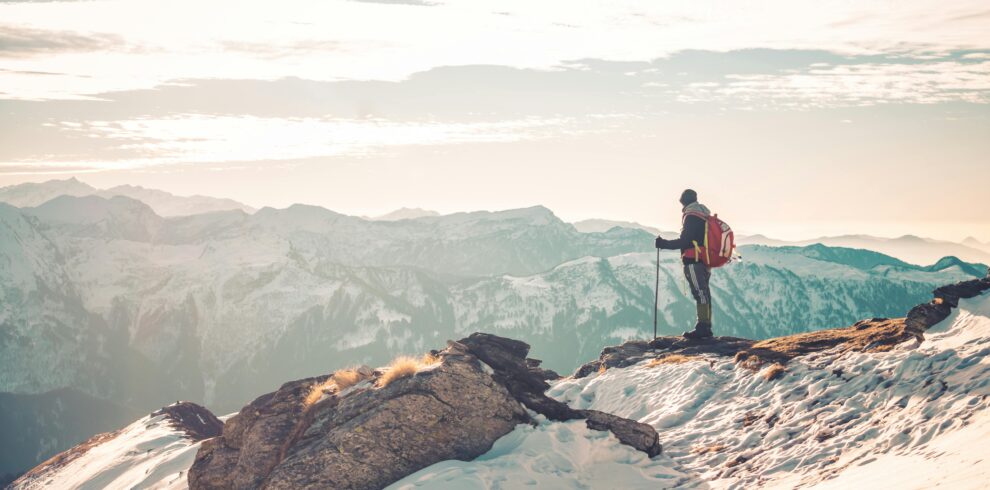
(369, 437)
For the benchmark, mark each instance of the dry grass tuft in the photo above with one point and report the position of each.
(775, 371)
(345, 378)
(317, 391)
(714, 448)
(738, 460)
(671, 359)
(749, 361)
(429, 359)
(405, 366)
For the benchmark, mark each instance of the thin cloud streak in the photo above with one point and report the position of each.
(22, 42)
(193, 138)
(852, 85)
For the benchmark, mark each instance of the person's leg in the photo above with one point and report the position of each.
(697, 275)
(705, 309)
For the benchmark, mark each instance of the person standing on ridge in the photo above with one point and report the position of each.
(691, 242)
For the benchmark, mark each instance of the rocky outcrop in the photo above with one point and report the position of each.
(367, 436)
(923, 316)
(196, 421)
(876, 334)
(526, 382)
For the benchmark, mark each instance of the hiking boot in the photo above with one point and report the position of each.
(701, 331)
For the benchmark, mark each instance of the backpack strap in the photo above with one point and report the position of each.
(693, 213)
(700, 249)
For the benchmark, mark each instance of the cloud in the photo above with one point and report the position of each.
(421, 3)
(42, 169)
(275, 50)
(194, 138)
(853, 85)
(16, 41)
(342, 39)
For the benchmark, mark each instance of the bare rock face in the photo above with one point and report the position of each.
(526, 382)
(367, 436)
(635, 351)
(923, 316)
(195, 420)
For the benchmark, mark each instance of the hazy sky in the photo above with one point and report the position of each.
(791, 118)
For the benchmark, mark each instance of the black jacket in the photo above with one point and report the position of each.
(692, 230)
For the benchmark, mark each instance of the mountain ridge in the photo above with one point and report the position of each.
(34, 194)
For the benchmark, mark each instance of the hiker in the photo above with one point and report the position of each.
(693, 225)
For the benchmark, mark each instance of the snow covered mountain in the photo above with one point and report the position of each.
(974, 243)
(601, 225)
(163, 203)
(32, 194)
(863, 406)
(105, 296)
(406, 213)
(913, 249)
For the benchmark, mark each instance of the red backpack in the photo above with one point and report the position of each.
(718, 245)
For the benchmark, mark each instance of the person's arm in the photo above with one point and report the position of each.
(693, 230)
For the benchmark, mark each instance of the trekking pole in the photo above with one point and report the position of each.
(656, 294)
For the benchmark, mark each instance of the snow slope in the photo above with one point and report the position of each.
(148, 454)
(916, 415)
(553, 455)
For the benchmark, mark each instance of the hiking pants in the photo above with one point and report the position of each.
(698, 274)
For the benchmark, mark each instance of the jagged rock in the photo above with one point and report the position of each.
(635, 351)
(195, 420)
(507, 357)
(370, 436)
(923, 316)
(952, 293)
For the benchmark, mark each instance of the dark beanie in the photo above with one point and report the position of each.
(688, 197)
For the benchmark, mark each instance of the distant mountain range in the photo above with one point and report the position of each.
(163, 203)
(916, 250)
(913, 249)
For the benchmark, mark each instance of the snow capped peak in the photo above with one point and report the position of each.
(911, 238)
(604, 225)
(406, 213)
(164, 203)
(118, 216)
(33, 194)
(168, 204)
(301, 217)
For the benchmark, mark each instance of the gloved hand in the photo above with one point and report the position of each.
(661, 243)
